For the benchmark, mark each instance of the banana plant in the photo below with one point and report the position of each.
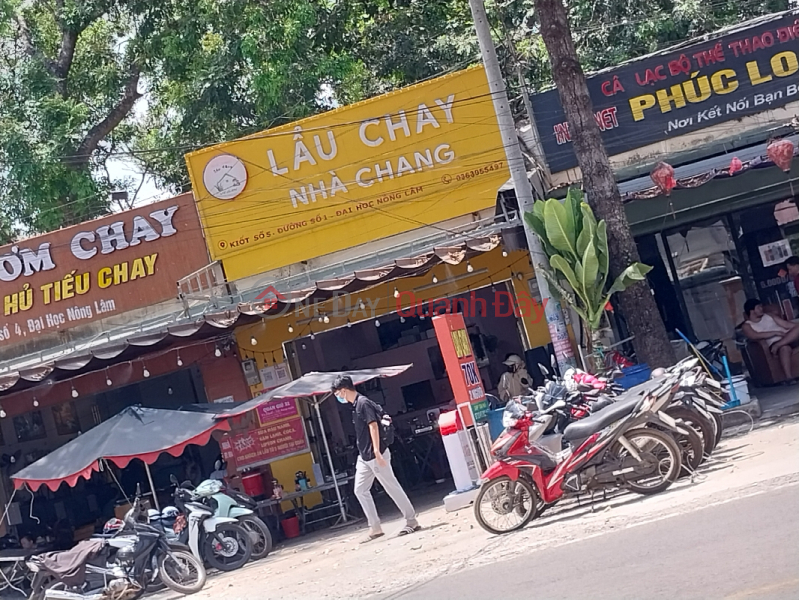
(577, 247)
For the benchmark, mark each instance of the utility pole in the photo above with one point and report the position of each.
(524, 193)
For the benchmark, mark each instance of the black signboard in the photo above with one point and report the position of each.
(741, 73)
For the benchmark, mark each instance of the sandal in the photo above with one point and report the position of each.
(408, 530)
(371, 537)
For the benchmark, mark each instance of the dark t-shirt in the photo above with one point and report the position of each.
(366, 411)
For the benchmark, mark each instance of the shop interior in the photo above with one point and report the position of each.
(415, 398)
(715, 265)
(76, 511)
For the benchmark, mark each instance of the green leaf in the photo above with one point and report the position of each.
(562, 265)
(559, 225)
(589, 272)
(588, 228)
(536, 223)
(574, 197)
(602, 252)
(634, 273)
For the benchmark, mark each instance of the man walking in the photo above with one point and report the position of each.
(374, 459)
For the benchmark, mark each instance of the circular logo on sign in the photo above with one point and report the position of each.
(225, 176)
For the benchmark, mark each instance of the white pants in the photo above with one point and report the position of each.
(365, 474)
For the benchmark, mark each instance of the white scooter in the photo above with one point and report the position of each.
(219, 541)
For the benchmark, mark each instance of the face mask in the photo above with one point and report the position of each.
(341, 399)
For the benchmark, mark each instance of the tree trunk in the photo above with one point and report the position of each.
(651, 341)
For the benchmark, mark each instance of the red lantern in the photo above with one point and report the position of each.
(781, 154)
(735, 165)
(663, 176)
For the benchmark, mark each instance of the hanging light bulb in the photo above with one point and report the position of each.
(217, 352)
(469, 267)
(108, 381)
(396, 293)
(253, 341)
(321, 319)
(313, 335)
(377, 322)
(3, 415)
(402, 319)
(180, 362)
(304, 347)
(505, 253)
(35, 402)
(435, 279)
(349, 324)
(145, 372)
(74, 392)
(361, 305)
(327, 319)
(291, 329)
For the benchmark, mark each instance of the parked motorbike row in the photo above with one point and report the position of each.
(148, 550)
(583, 435)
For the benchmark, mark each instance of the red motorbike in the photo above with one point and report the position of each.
(612, 448)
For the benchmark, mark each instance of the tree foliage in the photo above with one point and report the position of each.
(83, 81)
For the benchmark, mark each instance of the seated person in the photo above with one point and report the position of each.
(781, 336)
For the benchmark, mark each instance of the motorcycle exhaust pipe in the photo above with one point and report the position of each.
(65, 595)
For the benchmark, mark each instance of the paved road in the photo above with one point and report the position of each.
(741, 550)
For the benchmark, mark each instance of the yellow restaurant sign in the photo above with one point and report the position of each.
(390, 164)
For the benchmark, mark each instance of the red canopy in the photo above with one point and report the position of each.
(136, 432)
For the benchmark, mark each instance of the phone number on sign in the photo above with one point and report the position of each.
(497, 166)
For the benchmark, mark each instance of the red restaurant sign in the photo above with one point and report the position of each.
(266, 443)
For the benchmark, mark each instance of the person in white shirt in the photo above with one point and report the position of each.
(781, 336)
(517, 381)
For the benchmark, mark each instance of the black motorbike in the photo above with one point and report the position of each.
(119, 566)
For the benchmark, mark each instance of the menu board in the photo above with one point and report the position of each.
(267, 443)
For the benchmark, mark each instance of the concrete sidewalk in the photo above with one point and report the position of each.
(778, 401)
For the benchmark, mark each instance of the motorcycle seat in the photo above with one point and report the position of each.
(580, 430)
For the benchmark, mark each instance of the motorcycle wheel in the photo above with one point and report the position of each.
(692, 450)
(260, 535)
(514, 502)
(699, 422)
(719, 427)
(228, 548)
(668, 457)
(181, 572)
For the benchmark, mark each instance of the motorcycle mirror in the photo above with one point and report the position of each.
(543, 369)
(557, 405)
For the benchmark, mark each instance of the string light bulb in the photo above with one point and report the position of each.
(348, 324)
(469, 267)
(3, 414)
(145, 372)
(435, 279)
(74, 392)
(35, 402)
(396, 293)
(108, 381)
(326, 319)
(253, 341)
(217, 352)
(402, 319)
(291, 329)
(361, 305)
(313, 335)
(180, 361)
(505, 253)
(377, 322)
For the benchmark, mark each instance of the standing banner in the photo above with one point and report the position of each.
(462, 369)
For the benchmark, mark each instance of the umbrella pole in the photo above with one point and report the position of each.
(330, 462)
(152, 487)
